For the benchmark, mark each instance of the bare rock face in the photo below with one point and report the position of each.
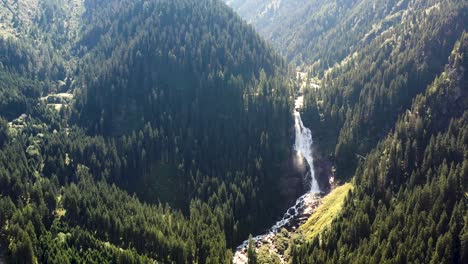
(323, 170)
(294, 183)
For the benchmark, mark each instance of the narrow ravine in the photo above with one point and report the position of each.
(305, 204)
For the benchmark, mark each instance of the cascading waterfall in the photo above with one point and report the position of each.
(303, 147)
(303, 144)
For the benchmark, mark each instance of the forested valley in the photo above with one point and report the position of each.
(410, 202)
(385, 97)
(178, 131)
(163, 131)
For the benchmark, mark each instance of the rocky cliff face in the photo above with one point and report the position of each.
(294, 182)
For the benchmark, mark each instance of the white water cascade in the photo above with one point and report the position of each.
(303, 144)
(303, 147)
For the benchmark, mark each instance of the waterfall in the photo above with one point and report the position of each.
(303, 144)
(303, 148)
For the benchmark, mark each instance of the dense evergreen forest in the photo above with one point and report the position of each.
(210, 114)
(179, 132)
(410, 202)
(361, 99)
(386, 100)
(136, 131)
(318, 34)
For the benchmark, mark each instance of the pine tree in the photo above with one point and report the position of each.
(251, 251)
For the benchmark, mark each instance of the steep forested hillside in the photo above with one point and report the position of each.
(360, 100)
(367, 62)
(369, 58)
(189, 107)
(37, 36)
(36, 55)
(179, 133)
(135, 131)
(410, 202)
(299, 28)
(321, 33)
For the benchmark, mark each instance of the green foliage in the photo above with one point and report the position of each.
(4, 133)
(266, 257)
(252, 252)
(171, 115)
(164, 89)
(409, 204)
(20, 246)
(323, 216)
(281, 241)
(180, 131)
(360, 100)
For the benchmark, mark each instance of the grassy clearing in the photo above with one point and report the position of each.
(325, 213)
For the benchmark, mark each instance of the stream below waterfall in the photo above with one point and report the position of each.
(303, 148)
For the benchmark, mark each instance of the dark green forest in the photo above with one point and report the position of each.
(360, 101)
(161, 131)
(179, 133)
(319, 34)
(410, 205)
(390, 114)
(396, 111)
